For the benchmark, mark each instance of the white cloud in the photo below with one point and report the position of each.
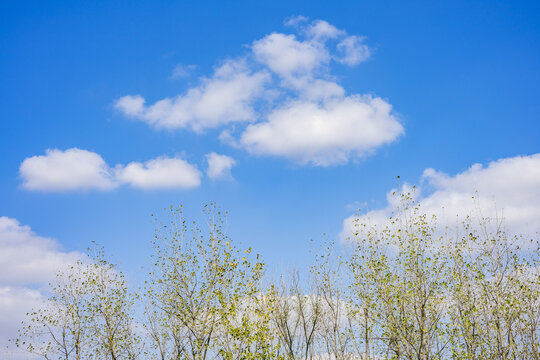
(159, 173)
(180, 71)
(507, 188)
(287, 57)
(317, 89)
(66, 170)
(27, 258)
(131, 105)
(295, 20)
(321, 30)
(76, 169)
(28, 262)
(15, 302)
(219, 166)
(353, 50)
(324, 134)
(285, 98)
(321, 125)
(224, 98)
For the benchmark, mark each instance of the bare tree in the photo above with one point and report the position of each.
(297, 317)
(336, 331)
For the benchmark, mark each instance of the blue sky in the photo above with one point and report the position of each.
(462, 79)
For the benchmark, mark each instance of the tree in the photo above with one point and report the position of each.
(337, 330)
(59, 329)
(296, 318)
(426, 293)
(109, 308)
(409, 290)
(88, 315)
(495, 291)
(399, 288)
(205, 295)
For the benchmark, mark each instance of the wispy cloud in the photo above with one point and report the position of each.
(353, 50)
(284, 99)
(181, 71)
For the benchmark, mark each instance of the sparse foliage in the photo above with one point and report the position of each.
(88, 315)
(205, 294)
(406, 290)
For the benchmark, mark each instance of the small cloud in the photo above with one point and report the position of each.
(73, 169)
(181, 71)
(219, 166)
(159, 173)
(356, 205)
(294, 21)
(130, 105)
(321, 30)
(353, 50)
(227, 137)
(289, 57)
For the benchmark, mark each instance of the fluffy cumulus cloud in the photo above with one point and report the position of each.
(319, 124)
(506, 189)
(288, 57)
(159, 173)
(66, 170)
(324, 134)
(223, 98)
(219, 166)
(353, 50)
(76, 169)
(284, 99)
(28, 262)
(322, 30)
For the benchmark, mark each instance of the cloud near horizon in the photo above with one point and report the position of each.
(28, 262)
(505, 189)
(77, 169)
(284, 100)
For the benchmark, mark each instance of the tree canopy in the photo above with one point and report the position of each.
(406, 289)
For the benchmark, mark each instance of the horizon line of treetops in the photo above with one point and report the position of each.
(405, 290)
